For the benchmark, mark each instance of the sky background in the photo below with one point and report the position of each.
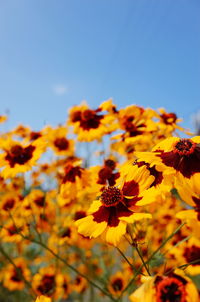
(54, 54)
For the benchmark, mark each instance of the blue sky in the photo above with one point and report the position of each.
(54, 54)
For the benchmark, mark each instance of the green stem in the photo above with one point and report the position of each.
(151, 257)
(18, 271)
(72, 268)
(134, 244)
(142, 259)
(126, 259)
(65, 262)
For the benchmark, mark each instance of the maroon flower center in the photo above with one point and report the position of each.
(35, 135)
(79, 215)
(66, 233)
(117, 284)
(19, 155)
(184, 147)
(111, 196)
(193, 254)
(47, 284)
(170, 289)
(9, 204)
(90, 119)
(40, 201)
(169, 118)
(61, 143)
(71, 173)
(16, 277)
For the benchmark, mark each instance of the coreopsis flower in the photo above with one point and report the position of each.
(79, 284)
(43, 299)
(118, 206)
(73, 179)
(135, 120)
(188, 252)
(44, 282)
(189, 192)
(173, 287)
(9, 202)
(12, 276)
(175, 156)
(10, 231)
(168, 122)
(90, 124)
(18, 157)
(107, 174)
(58, 141)
(117, 283)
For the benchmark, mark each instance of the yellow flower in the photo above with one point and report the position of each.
(118, 206)
(117, 283)
(189, 191)
(174, 287)
(12, 278)
(175, 156)
(19, 157)
(90, 124)
(58, 141)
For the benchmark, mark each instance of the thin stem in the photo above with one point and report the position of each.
(124, 256)
(71, 267)
(18, 271)
(142, 259)
(134, 244)
(64, 261)
(151, 257)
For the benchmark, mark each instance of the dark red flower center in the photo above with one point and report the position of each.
(131, 127)
(111, 196)
(61, 143)
(35, 135)
(66, 233)
(9, 204)
(169, 118)
(170, 289)
(193, 254)
(79, 215)
(117, 284)
(90, 119)
(71, 173)
(47, 284)
(19, 155)
(16, 277)
(184, 147)
(40, 201)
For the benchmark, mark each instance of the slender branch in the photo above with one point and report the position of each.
(18, 271)
(151, 257)
(71, 267)
(64, 261)
(126, 259)
(142, 259)
(134, 244)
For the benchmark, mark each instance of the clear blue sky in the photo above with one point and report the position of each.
(55, 53)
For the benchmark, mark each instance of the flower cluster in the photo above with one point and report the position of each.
(103, 207)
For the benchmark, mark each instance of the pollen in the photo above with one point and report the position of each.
(111, 196)
(185, 147)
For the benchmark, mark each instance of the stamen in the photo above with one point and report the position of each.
(111, 196)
